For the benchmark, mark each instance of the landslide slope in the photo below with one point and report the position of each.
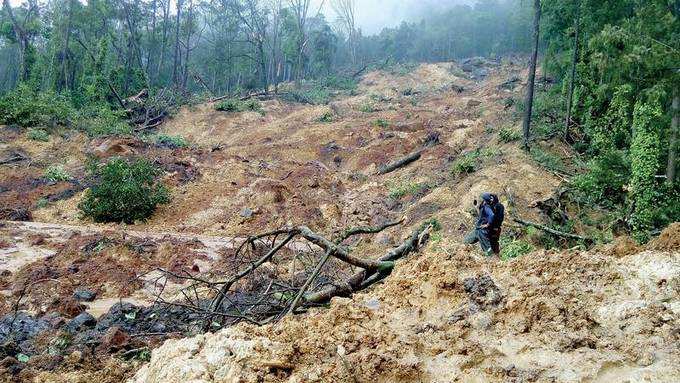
(607, 315)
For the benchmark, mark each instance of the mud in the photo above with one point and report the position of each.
(444, 315)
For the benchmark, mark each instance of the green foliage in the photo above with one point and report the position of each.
(27, 107)
(99, 119)
(605, 179)
(644, 152)
(469, 162)
(398, 191)
(37, 135)
(172, 142)
(123, 191)
(56, 173)
(380, 123)
(509, 134)
(326, 117)
(547, 159)
(234, 105)
(513, 248)
(367, 107)
(314, 96)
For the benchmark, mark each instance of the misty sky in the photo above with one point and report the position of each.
(373, 15)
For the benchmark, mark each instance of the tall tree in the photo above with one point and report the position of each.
(531, 83)
(346, 13)
(673, 140)
(574, 60)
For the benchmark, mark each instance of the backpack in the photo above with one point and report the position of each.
(499, 213)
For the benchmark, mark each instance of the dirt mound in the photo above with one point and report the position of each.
(448, 315)
(668, 240)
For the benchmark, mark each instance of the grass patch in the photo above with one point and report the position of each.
(513, 248)
(56, 173)
(326, 117)
(34, 134)
(509, 134)
(469, 162)
(398, 191)
(169, 141)
(367, 107)
(234, 105)
(380, 123)
(548, 160)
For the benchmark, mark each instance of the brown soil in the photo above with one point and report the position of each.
(606, 315)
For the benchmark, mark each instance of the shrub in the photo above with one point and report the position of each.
(380, 123)
(367, 107)
(605, 179)
(314, 95)
(27, 107)
(172, 142)
(412, 188)
(123, 191)
(234, 105)
(56, 173)
(38, 135)
(509, 134)
(326, 117)
(101, 120)
(548, 160)
(513, 248)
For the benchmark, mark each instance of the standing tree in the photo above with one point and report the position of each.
(346, 12)
(673, 140)
(529, 102)
(574, 60)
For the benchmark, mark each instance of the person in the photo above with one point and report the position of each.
(488, 227)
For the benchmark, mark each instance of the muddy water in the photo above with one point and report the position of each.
(20, 254)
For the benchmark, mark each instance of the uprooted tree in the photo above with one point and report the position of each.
(287, 271)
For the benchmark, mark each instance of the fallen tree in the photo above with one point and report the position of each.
(255, 293)
(552, 231)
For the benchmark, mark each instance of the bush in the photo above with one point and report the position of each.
(56, 173)
(605, 179)
(38, 135)
(101, 120)
(172, 142)
(367, 107)
(548, 160)
(27, 107)
(326, 117)
(123, 191)
(380, 123)
(412, 188)
(513, 248)
(234, 105)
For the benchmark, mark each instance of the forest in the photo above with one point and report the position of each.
(286, 190)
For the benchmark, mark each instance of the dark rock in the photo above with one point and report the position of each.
(84, 295)
(482, 291)
(15, 214)
(90, 337)
(24, 327)
(81, 322)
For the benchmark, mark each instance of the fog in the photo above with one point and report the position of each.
(374, 15)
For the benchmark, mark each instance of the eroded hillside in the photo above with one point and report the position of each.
(444, 314)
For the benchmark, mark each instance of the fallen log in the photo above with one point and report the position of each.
(400, 163)
(552, 231)
(364, 278)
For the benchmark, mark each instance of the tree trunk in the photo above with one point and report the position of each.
(175, 66)
(673, 140)
(574, 60)
(22, 39)
(529, 102)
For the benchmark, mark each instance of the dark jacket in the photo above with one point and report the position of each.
(486, 215)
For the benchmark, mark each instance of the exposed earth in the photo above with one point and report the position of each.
(84, 293)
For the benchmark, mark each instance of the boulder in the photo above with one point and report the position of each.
(84, 295)
(81, 322)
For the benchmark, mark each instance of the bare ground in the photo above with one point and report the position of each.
(610, 314)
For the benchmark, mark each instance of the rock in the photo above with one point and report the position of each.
(81, 322)
(15, 214)
(246, 212)
(22, 328)
(114, 146)
(84, 295)
(114, 339)
(482, 291)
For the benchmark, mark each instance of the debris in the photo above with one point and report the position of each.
(84, 295)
